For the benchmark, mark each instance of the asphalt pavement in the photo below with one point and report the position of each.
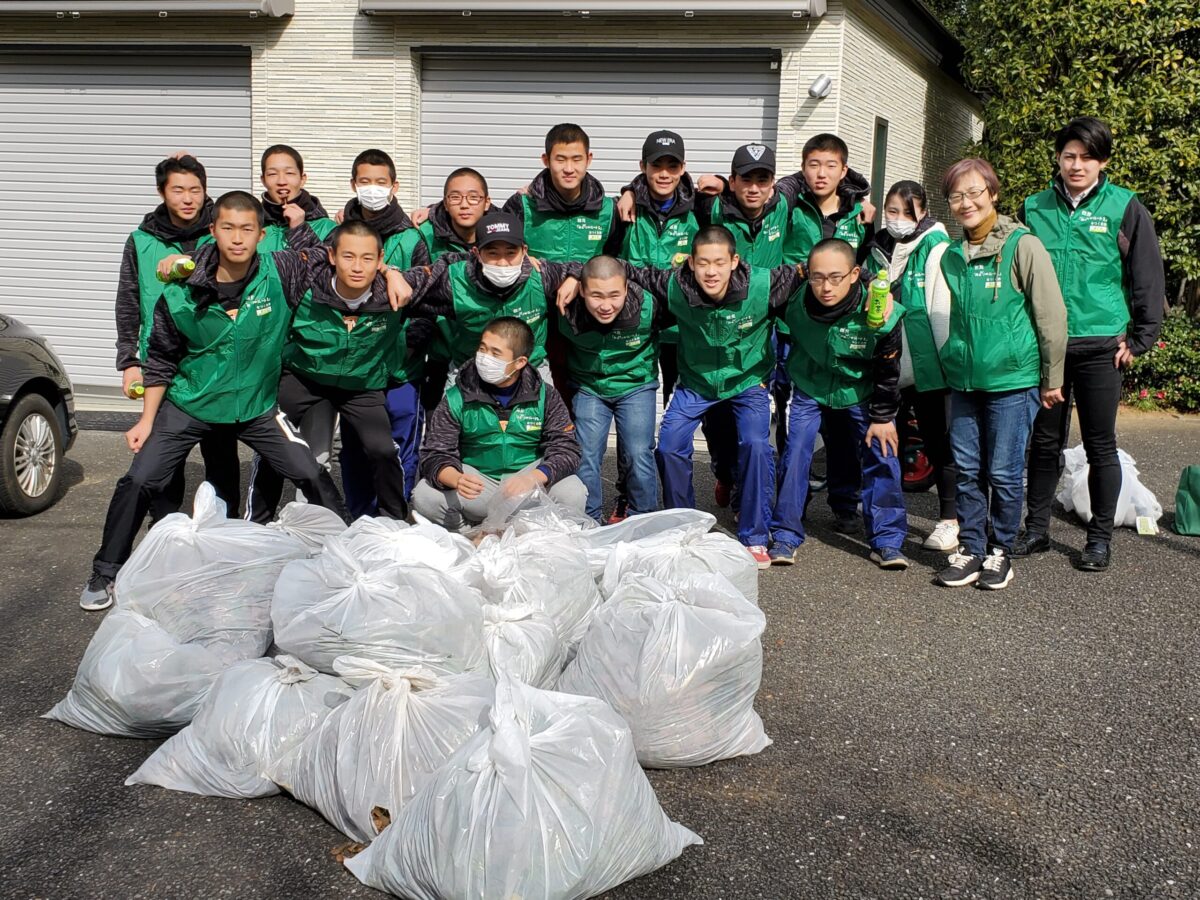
(1036, 742)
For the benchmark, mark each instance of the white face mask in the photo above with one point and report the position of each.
(900, 228)
(491, 370)
(373, 196)
(501, 276)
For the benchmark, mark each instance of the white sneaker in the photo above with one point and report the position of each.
(944, 536)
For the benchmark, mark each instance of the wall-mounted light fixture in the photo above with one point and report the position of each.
(820, 87)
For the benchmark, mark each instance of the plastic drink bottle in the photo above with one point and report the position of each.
(182, 268)
(877, 298)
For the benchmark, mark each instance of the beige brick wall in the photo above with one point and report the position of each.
(930, 116)
(331, 81)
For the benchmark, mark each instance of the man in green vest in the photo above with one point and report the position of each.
(212, 366)
(612, 345)
(344, 346)
(723, 308)
(177, 225)
(373, 180)
(497, 279)
(565, 213)
(283, 179)
(499, 431)
(846, 375)
(660, 236)
(1106, 255)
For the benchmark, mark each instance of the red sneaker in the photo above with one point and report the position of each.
(723, 493)
(620, 512)
(761, 556)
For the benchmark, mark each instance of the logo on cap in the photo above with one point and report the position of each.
(498, 228)
(756, 151)
(665, 141)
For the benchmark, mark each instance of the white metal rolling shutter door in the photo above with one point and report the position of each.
(79, 138)
(493, 112)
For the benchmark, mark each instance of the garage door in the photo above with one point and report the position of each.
(493, 112)
(79, 139)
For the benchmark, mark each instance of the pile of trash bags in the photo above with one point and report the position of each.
(474, 713)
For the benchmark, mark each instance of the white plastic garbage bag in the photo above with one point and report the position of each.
(136, 680)
(207, 579)
(1135, 499)
(535, 570)
(534, 511)
(310, 524)
(546, 803)
(681, 663)
(397, 615)
(523, 642)
(599, 543)
(680, 552)
(256, 710)
(378, 748)
(389, 540)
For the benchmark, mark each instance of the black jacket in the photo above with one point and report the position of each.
(311, 205)
(559, 448)
(546, 198)
(685, 199)
(129, 307)
(298, 269)
(1144, 276)
(443, 229)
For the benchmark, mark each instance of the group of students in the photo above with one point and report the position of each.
(522, 333)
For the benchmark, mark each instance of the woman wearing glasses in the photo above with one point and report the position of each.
(913, 242)
(1003, 359)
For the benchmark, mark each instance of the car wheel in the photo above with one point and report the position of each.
(31, 456)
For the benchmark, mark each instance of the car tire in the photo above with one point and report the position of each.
(31, 438)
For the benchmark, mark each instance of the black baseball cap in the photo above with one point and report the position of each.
(499, 226)
(660, 144)
(750, 157)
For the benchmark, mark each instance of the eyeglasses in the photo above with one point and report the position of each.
(958, 197)
(835, 279)
(473, 198)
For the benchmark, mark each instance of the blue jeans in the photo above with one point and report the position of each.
(756, 462)
(635, 415)
(407, 417)
(988, 436)
(882, 488)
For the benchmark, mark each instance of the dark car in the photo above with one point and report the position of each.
(37, 419)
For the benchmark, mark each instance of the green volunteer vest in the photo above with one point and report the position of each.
(150, 251)
(230, 370)
(275, 236)
(806, 231)
(484, 444)
(567, 238)
(765, 249)
(613, 363)
(646, 246)
(724, 349)
(474, 308)
(439, 246)
(323, 347)
(1083, 246)
(922, 349)
(831, 362)
(992, 344)
(398, 251)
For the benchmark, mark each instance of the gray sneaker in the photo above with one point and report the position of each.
(97, 593)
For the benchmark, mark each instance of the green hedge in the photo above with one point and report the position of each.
(1168, 376)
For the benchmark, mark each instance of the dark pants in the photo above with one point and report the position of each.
(932, 409)
(365, 412)
(174, 435)
(407, 418)
(222, 469)
(1093, 383)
